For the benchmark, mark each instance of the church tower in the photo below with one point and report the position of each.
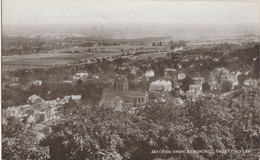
(122, 86)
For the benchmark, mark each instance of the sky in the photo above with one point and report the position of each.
(56, 12)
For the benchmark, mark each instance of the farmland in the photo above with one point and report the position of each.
(38, 60)
(57, 57)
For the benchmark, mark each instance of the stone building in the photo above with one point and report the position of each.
(121, 97)
(108, 96)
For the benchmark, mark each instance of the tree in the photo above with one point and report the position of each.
(186, 82)
(241, 78)
(226, 86)
(80, 83)
(205, 87)
(119, 61)
(13, 127)
(175, 92)
(172, 45)
(7, 103)
(19, 143)
(86, 134)
(23, 146)
(256, 70)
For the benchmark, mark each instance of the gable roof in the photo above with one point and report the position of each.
(34, 98)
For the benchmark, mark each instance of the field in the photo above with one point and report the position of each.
(38, 60)
(62, 57)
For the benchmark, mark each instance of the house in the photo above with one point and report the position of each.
(194, 91)
(34, 99)
(149, 74)
(30, 119)
(195, 88)
(76, 98)
(14, 85)
(25, 108)
(67, 81)
(14, 80)
(160, 86)
(198, 80)
(178, 101)
(12, 112)
(170, 72)
(96, 76)
(37, 83)
(191, 95)
(66, 99)
(181, 76)
(46, 111)
(81, 76)
(134, 70)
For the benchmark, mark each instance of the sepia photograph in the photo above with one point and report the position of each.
(130, 80)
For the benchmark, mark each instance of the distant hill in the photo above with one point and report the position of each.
(134, 30)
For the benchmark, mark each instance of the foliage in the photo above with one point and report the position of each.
(205, 87)
(13, 127)
(209, 124)
(20, 143)
(186, 82)
(241, 78)
(226, 86)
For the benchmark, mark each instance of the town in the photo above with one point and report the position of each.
(157, 73)
(130, 80)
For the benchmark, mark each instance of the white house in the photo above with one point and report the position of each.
(149, 74)
(96, 76)
(181, 76)
(195, 88)
(160, 86)
(34, 99)
(75, 97)
(198, 80)
(134, 70)
(67, 81)
(37, 82)
(81, 76)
